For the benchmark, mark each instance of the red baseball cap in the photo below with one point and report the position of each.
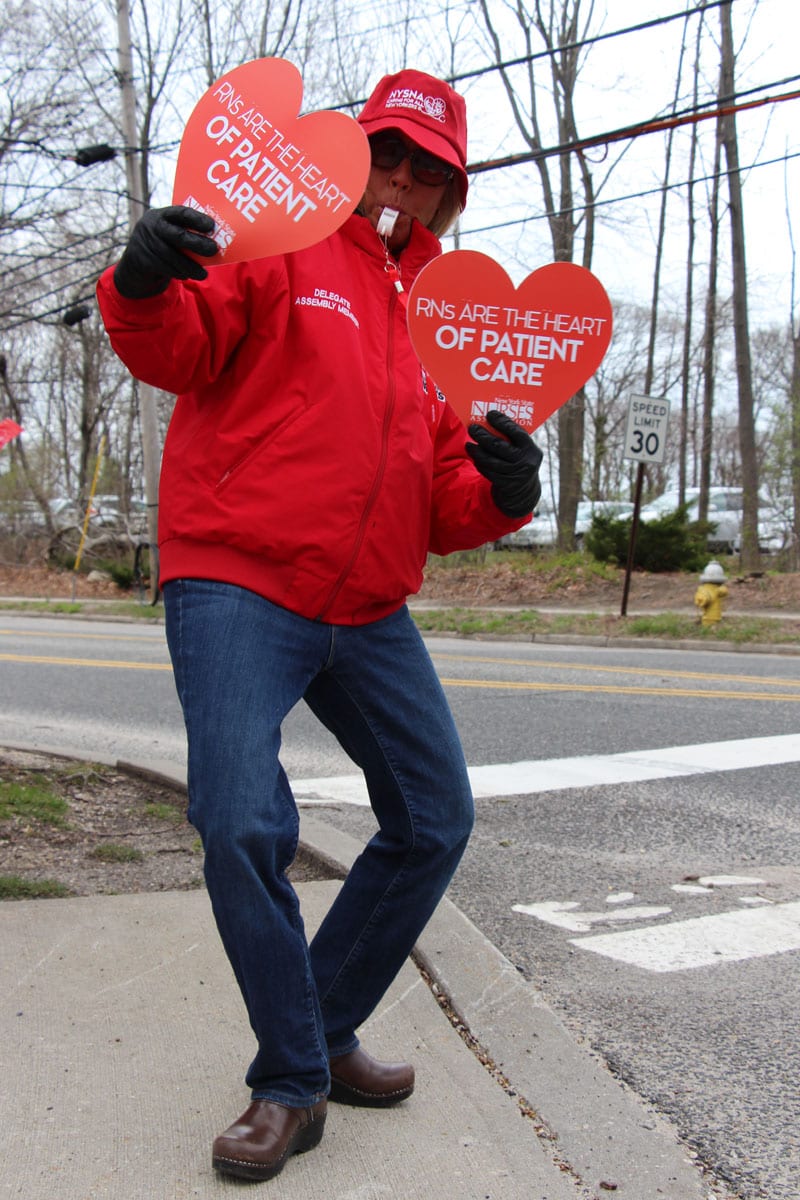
(427, 111)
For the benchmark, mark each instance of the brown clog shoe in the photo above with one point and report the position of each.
(358, 1079)
(258, 1145)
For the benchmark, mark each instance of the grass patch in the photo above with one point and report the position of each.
(662, 625)
(129, 609)
(667, 626)
(58, 606)
(14, 887)
(114, 853)
(32, 802)
(752, 629)
(466, 620)
(138, 612)
(164, 812)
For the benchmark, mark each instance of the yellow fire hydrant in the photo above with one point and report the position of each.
(711, 593)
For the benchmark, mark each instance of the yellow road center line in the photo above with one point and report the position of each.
(618, 690)
(662, 674)
(120, 664)
(97, 637)
(491, 684)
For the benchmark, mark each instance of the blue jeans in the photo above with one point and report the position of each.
(241, 663)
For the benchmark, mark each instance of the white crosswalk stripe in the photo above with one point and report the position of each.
(591, 770)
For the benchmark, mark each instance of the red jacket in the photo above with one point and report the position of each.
(309, 458)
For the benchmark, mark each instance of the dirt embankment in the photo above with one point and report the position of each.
(486, 586)
(505, 584)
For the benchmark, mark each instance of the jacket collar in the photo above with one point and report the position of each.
(422, 247)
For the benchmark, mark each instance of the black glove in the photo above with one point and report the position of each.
(155, 251)
(512, 467)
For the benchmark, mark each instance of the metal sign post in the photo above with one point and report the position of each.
(645, 440)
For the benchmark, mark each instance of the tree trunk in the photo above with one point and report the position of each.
(683, 452)
(558, 24)
(710, 337)
(751, 559)
(795, 410)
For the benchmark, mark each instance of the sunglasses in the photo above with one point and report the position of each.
(388, 151)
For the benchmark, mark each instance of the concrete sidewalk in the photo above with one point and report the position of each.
(125, 1041)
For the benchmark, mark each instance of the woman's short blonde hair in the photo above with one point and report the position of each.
(448, 211)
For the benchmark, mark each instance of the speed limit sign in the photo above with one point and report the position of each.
(646, 429)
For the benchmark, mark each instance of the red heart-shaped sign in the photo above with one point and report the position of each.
(272, 181)
(522, 350)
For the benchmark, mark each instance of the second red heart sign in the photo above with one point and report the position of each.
(489, 345)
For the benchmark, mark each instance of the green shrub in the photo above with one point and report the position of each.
(120, 571)
(671, 543)
(61, 557)
(607, 538)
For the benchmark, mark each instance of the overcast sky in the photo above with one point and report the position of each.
(632, 78)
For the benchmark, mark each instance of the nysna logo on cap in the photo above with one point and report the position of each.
(432, 106)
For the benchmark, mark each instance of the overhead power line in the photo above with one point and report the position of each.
(704, 110)
(589, 41)
(641, 195)
(655, 125)
(550, 52)
(88, 296)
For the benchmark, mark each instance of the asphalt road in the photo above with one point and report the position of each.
(635, 852)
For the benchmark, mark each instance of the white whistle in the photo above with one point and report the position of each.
(387, 221)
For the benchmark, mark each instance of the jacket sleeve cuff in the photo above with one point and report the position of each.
(115, 306)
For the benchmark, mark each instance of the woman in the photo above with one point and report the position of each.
(309, 467)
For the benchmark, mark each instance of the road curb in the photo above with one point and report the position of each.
(622, 642)
(598, 1130)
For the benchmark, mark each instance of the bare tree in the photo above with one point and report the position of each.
(45, 243)
(567, 184)
(234, 33)
(62, 223)
(751, 558)
(607, 403)
(691, 231)
(54, 235)
(794, 397)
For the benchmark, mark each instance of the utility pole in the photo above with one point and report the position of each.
(137, 204)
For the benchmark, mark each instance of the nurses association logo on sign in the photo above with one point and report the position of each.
(489, 345)
(272, 181)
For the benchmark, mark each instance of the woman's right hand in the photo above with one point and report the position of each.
(159, 250)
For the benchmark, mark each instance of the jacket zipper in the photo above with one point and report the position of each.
(379, 474)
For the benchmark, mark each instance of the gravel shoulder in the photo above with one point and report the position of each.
(71, 828)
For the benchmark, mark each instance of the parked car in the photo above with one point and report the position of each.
(775, 526)
(64, 513)
(589, 509)
(106, 511)
(27, 515)
(137, 524)
(541, 530)
(725, 508)
(724, 512)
